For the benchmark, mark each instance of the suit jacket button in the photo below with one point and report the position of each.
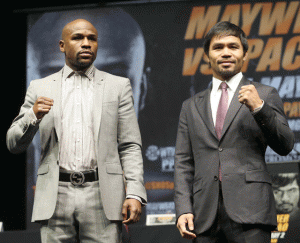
(216, 178)
(220, 149)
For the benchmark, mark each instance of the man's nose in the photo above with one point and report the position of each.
(285, 196)
(226, 52)
(86, 43)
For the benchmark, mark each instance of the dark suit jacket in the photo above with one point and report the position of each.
(246, 184)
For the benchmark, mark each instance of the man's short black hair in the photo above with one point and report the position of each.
(282, 179)
(225, 28)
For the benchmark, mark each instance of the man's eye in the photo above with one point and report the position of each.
(217, 47)
(234, 47)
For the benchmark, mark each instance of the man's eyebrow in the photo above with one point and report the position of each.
(218, 44)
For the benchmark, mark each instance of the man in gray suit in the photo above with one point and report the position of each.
(223, 192)
(91, 169)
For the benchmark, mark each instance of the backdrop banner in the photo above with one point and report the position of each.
(159, 47)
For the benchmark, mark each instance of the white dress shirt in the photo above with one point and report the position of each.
(215, 94)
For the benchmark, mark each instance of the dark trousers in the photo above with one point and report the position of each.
(226, 230)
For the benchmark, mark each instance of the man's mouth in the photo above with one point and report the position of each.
(86, 53)
(226, 62)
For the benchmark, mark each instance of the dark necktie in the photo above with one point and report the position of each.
(222, 109)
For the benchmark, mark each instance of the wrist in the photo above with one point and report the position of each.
(257, 107)
(34, 120)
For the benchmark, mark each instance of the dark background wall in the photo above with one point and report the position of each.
(12, 167)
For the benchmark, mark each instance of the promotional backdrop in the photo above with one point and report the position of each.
(159, 47)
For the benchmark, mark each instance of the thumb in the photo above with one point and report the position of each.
(124, 211)
(191, 223)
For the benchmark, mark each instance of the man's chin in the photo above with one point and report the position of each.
(85, 63)
(227, 74)
(285, 209)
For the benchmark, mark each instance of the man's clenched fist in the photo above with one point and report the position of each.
(42, 106)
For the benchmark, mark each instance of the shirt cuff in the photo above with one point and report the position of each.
(258, 108)
(137, 198)
(33, 120)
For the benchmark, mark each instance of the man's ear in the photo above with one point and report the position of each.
(245, 56)
(206, 59)
(62, 46)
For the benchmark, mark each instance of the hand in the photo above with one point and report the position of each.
(183, 221)
(249, 96)
(135, 209)
(42, 106)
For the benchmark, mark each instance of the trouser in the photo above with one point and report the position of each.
(79, 217)
(225, 230)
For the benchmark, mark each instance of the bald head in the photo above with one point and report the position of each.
(80, 44)
(77, 25)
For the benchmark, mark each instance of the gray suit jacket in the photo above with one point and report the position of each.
(246, 184)
(117, 138)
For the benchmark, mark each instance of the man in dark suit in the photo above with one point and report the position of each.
(223, 191)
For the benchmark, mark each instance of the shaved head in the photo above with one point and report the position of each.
(75, 25)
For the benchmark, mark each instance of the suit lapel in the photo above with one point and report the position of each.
(234, 107)
(204, 108)
(56, 96)
(98, 101)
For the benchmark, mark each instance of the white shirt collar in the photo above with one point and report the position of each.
(232, 83)
(89, 73)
